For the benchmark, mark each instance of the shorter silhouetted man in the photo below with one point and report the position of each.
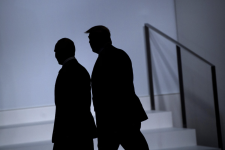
(118, 110)
(74, 125)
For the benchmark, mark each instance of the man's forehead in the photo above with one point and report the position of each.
(94, 34)
(91, 35)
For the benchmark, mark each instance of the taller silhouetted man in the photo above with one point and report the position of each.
(74, 126)
(118, 110)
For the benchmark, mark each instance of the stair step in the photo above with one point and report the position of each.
(161, 138)
(181, 148)
(191, 148)
(157, 120)
(47, 145)
(26, 134)
(156, 138)
(170, 138)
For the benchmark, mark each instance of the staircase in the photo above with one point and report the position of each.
(35, 135)
(160, 134)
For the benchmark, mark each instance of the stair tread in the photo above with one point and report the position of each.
(16, 124)
(190, 148)
(157, 111)
(48, 145)
(165, 130)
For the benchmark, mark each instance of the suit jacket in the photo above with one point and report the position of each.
(73, 118)
(114, 98)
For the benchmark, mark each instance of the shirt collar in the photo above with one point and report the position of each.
(65, 61)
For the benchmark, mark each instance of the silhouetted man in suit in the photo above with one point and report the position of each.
(119, 112)
(74, 126)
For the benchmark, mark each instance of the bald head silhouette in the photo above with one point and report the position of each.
(64, 49)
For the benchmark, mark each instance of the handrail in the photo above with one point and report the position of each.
(177, 43)
(213, 71)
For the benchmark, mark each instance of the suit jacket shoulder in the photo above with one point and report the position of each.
(113, 78)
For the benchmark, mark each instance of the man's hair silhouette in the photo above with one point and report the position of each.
(100, 32)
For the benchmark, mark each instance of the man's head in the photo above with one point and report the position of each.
(64, 49)
(98, 37)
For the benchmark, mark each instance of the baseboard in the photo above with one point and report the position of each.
(37, 115)
(27, 116)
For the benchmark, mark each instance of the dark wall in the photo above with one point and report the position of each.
(200, 27)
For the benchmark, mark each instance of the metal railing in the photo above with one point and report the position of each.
(178, 46)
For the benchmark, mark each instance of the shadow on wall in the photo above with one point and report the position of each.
(164, 65)
(201, 116)
(199, 101)
(159, 49)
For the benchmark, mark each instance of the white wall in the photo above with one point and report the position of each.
(201, 27)
(30, 29)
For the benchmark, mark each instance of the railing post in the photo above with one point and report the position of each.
(179, 65)
(148, 50)
(216, 105)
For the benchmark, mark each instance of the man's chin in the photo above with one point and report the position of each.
(60, 63)
(95, 50)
